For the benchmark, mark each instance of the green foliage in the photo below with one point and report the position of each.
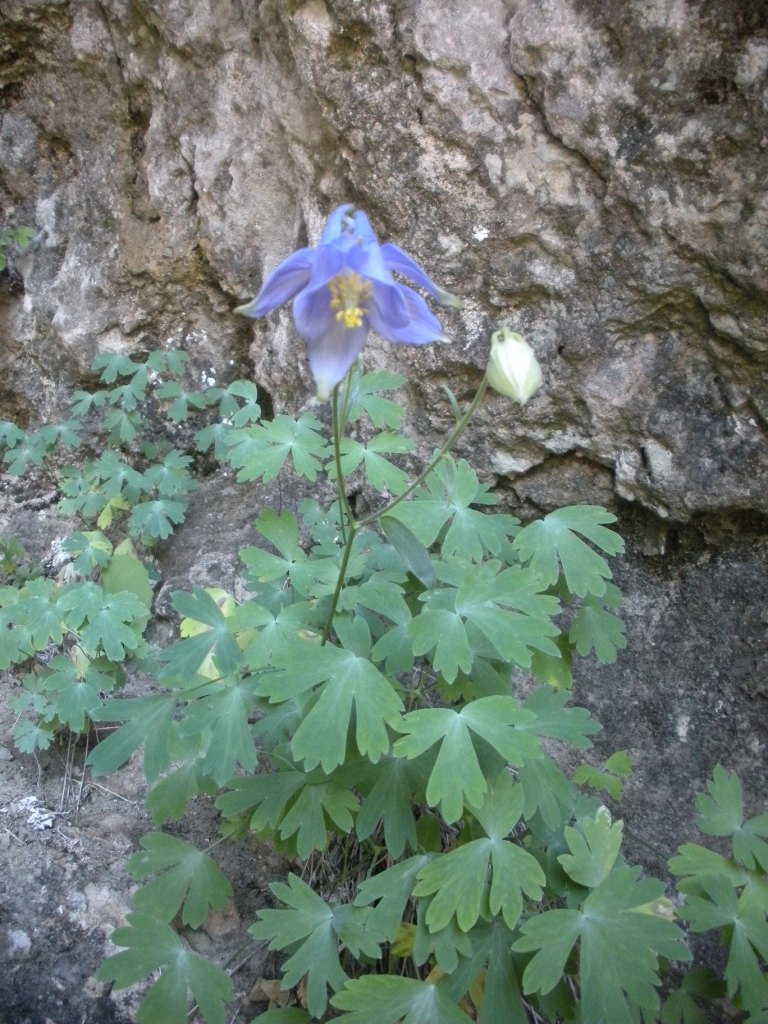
(152, 945)
(129, 496)
(730, 894)
(17, 239)
(359, 699)
(187, 879)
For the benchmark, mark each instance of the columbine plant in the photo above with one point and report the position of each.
(357, 709)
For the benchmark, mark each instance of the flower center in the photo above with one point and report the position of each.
(348, 293)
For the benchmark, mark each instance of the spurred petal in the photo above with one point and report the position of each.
(285, 282)
(332, 354)
(399, 262)
(335, 223)
(422, 327)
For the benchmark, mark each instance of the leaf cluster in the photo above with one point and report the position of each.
(360, 700)
(90, 611)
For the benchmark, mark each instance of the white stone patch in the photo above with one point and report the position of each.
(38, 817)
(681, 727)
(753, 64)
(506, 464)
(479, 233)
(314, 23)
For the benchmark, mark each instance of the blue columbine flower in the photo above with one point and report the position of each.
(343, 288)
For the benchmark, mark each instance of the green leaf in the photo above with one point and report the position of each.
(443, 630)
(156, 520)
(681, 1007)
(617, 768)
(449, 493)
(460, 879)
(90, 549)
(721, 813)
(366, 400)
(260, 450)
(148, 722)
(77, 691)
(387, 999)
(295, 804)
(127, 572)
(390, 801)
(593, 850)
(216, 436)
(555, 721)
(103, 620)
(152, 945)
(414, 555)
(619, 946)
(596, 629)
(553, 543)
(168, 799)
(382, 474)
(351, 682)
(187, 878)
(221, 714)
(744, 915)
(313, 930)
(114, 365)
(216, 642)
(283, 1015)
(456, 776)
(693, 861)
(390, 890)
(31, 736)
(548, 793)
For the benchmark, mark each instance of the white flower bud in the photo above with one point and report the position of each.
(512, 367)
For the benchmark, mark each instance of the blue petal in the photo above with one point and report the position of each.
(332, 354)
(422, 327)
(395, 259)
(389, 306)
(363, 229)
(284, 283)
(313, 315)
(335, 224)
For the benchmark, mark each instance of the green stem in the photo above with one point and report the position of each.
(458, 430)
(356, 524)
(340, 581)
(339, 425)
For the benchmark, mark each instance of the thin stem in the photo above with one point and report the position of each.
(356, 524)
(340, 581)
(458, 430)
(338, 429)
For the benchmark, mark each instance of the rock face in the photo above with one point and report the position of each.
(590, 173)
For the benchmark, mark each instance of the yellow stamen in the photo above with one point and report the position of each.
(348, 292)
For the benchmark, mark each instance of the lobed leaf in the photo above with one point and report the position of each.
(552, 544)
(188, 880)
(153, 945)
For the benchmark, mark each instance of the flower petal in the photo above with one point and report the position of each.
(422, 327)
(332, 354)
(335, 224)
(284, 283)
(399, 262)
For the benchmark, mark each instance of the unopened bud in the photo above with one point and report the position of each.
(512, 367)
